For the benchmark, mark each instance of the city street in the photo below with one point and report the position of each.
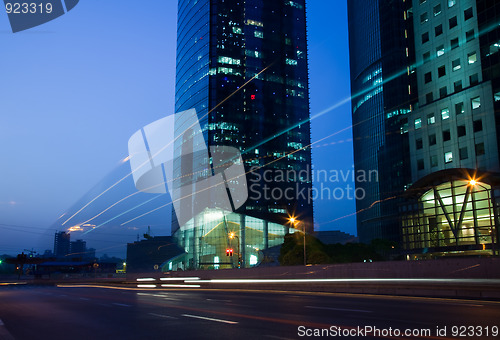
(29, 312)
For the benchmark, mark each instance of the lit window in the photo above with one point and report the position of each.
(437, 10)
(494, 48)
(228, 60)
(445, 114)
(422, 1)
(418, 123)
(253, 260)
(471, 57)
(227, 70)
(237, 30)
(294, 4)
(253, 54)
(258, 34)
(440, 50)
(292, 62)
(448, 157)
(496, 96)
(455, 65)
(254, 23)
(459, 108)
(476, 102)
(424, 18)
(431, 119)
(468, 13)
(452, 3)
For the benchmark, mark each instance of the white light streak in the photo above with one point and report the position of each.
(146, 286)
(146, 279)
(178, 278)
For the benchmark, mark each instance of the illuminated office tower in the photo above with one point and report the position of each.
(243, 66)
(449, 202)
(383, 92)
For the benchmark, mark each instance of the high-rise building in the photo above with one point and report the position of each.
(448, 204)
(243, 66)
(383, 92)
(61, 244)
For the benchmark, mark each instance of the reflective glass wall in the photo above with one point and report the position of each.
(216, 239)
(453, 218)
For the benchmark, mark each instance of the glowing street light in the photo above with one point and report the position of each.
(232, 235)
(473, 183)
(295, 222)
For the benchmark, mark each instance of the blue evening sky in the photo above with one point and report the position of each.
(74, 90)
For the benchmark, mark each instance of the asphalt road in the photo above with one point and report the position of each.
(29, 312)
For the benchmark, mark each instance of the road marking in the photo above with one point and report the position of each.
(210, 319)
(466, 304)
(341, 309)
(276, 337)
(121, 304)
(163, 316)
(216, 300)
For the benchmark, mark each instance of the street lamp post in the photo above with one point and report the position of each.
(231, 236)
(295, 222)
(473, 183)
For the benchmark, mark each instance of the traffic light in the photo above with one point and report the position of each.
(229, 252)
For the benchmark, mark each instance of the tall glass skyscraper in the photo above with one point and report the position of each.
(383, 92)
(243, 66)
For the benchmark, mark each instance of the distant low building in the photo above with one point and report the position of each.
(335, 236)
(149, 255)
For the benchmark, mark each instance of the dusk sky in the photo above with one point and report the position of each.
(74, 90)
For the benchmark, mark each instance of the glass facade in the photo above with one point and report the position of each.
(246, 75)
(456, 217)
(380, 83)
(207, 237)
